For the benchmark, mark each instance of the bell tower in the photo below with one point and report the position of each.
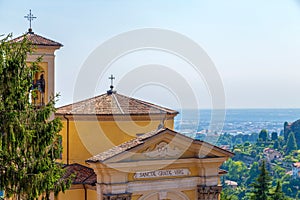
(44, 81)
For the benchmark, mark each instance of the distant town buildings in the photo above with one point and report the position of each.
(231, 184)
(296, 170)
(272, 154)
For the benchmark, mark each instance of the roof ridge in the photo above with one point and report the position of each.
(118, 104)
(30, 35)
(45, 38)
(148, 103)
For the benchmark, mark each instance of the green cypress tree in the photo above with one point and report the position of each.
(274, 136)
(291, 144)
(263, 135)
(262, 184)
(276, 145)
(29, 139)
(278, 194)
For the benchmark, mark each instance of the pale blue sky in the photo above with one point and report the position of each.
(254, 44)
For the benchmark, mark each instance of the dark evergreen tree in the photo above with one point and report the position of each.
(278, 194)
(261, 187)
(291, 144)
(274, 136)
(295, 127)
(253, 137)
(263, 135)
(29, 139)
(286, 130)
(276, 145)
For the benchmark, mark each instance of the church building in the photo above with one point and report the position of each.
(122, 148)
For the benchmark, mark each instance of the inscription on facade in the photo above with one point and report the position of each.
(163, 173)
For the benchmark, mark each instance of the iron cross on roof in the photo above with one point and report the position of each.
(109, 92)
(30, 18)
(111, 80)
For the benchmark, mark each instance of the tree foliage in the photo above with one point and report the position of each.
(278, 194)
(291, 144)
(252, 153)
(274, 136)
(262, 184)
(254, 170)
(276, 145)
(286, 131)
(228, 194)
(236, 170)
(29, 140)
(263, 135)
(293, 127)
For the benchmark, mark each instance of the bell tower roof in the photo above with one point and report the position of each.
(38, 40)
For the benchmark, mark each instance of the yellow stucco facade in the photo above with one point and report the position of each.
(83, 138)
(162, 165)
(78, 193)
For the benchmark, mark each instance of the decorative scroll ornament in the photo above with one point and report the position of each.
(209, 192)
(162, 150)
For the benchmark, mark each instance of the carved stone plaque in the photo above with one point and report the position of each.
(163, 173)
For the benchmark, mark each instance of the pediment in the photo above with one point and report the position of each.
(164, 144)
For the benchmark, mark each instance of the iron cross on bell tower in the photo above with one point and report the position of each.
(30, 18)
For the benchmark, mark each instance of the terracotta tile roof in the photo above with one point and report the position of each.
(136, 142)
(113, 104)
(226, 147)
(297, 164)
(83, 174)
(222, 171)
(231, 183)
(36, 39)
(289, 173)
(123, 147)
